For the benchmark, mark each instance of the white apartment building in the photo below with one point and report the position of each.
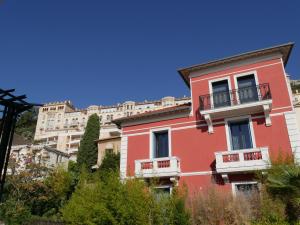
(60, 125)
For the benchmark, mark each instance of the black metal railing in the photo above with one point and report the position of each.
(235, 97)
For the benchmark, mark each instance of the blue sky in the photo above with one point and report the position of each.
(105, 52)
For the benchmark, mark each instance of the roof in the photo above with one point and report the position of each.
(159, 112)
(284, 49)
(108, 138)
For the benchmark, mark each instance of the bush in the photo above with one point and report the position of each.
(213, 207)
(110, 201)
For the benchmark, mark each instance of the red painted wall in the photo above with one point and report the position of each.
(196, 147)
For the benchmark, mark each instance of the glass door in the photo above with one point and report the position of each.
(221, 95)
(247, 89)
(240, 135)
(161, 144)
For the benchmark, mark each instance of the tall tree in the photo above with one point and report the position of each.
(88, 151)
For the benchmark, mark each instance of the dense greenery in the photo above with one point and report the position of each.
(110, 201)
(78, 196)
(26, 124)
(36, 191)
(88, 150)
(283, 183)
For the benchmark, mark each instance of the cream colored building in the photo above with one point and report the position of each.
(60, 125)
(109, 144)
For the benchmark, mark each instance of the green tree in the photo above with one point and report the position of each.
(283, 182)
(26, 124)
(88, 151)
(35, 192)
(111, 161)
(111, 201)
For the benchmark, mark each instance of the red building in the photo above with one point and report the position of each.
(241, 115)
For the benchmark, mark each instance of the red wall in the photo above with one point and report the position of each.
(196, 147)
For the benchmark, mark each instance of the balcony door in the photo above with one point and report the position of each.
(247, 89)
(161, 144)
(240, 135)
(221, 95)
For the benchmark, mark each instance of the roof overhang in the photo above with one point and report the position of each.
(284, 50)
(156, 115)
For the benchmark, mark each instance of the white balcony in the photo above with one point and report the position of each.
(242, 160)
(158, 167)
(243, 101)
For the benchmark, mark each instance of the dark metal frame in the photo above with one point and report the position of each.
(11, 107)
(236, 96)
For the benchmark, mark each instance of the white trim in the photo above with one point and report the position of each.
(253, 72)
(233, 185)
(239, 71)
(123, 156)
(210, 82)
(236, 119)
(157, 119)
(287, 84)
(191, 92)
(199, 173)
(165, 186)
(201, 125)
(152, 138)
(193, 121)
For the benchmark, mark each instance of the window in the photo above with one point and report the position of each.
(162, 192)
(109, 151)
(240, 134)
(247, 89)
(220, 90)
(247, 189)
(161, 144)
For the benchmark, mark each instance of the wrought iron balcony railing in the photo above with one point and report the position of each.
(235, 97)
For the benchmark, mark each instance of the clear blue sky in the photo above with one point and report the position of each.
(105, 52)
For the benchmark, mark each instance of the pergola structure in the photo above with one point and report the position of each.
(11, 106)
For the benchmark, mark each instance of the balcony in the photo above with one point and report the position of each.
(158, 167)
(247, 100)
(242, 160)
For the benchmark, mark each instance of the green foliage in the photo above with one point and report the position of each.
(36, 191)
(113, 202)
(14, 211)
(110, 163)
(88, 151)
(26, 124)
(283, 183)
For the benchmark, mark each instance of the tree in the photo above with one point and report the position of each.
(283, 182)
(26, 124)
(88, 151)
(35, 192)
(110, 162)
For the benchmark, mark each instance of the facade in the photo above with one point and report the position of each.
(241, 115)
(110, 144)
(22, 155)
(296, 103)
(60, 125)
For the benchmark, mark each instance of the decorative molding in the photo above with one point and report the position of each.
(267, 109)
(294, 134)
(209, 123)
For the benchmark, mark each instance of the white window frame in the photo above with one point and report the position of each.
(227, 129)
(165, 186)
(152, 140)
(211, 89)
(254, 72)
(233, 185)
